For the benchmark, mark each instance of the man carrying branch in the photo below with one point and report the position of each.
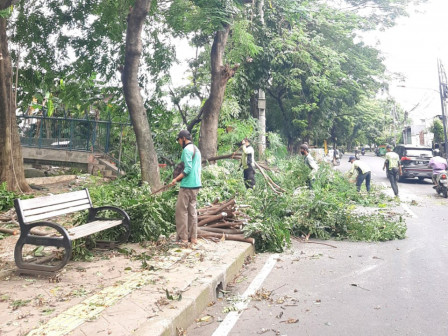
(309, 161)
(190, 177)
(248, 163)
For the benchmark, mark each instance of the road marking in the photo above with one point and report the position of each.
(229, 322)
(408, 210)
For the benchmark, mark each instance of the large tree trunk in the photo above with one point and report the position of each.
(11, 161)
(208, 137)
(148, 156)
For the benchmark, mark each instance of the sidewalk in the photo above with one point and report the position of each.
(114, 295)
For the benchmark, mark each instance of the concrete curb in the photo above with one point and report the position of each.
(197, 299)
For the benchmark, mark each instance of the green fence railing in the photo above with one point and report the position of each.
(71, 134)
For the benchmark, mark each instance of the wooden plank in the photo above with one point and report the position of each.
(55, 213)
(92, 227)
(42, 210)
(53, 199)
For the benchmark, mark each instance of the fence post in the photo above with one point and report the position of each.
(106, 145)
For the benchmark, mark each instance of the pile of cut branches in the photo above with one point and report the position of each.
(222, 221)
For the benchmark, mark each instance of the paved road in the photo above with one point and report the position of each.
(345, 288)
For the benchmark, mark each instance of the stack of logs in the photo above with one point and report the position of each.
(222, 221)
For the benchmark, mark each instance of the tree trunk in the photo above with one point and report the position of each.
(220, 74)
(134, 100)
(11, 161)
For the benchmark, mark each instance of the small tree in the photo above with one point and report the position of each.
(437, 129)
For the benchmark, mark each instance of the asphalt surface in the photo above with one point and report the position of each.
(346, 288)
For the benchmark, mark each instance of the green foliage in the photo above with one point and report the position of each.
(233, 132)
(6, 197)
(275, 148)
(151, 216)
(268, 225)
(333, 209)
(437, 130)
(6, 13)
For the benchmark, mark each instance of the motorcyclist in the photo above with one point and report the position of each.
(438, 164)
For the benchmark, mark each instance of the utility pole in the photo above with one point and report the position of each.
(261, 100)
(443, 90)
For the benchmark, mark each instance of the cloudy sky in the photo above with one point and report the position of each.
(412, 48)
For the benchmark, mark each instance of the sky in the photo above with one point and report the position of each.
(412, 48)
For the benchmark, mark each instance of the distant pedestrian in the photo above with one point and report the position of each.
(393, 166)
(363, 170)
(311, 163)
(190, 177)
(248, 163)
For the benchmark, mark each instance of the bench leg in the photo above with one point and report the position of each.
(26, 238)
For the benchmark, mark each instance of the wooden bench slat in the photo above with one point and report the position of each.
(55, 207)
(34, 218)
(53, 199)
(92, 227)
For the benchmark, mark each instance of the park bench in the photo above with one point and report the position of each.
(33, 213)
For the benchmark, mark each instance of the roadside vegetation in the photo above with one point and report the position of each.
(333, 210)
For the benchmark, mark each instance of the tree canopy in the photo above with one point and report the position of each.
(321, 80)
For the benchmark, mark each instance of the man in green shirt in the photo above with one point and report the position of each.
(393, 166)
(186, 214)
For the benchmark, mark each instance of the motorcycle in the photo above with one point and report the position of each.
(442, 183)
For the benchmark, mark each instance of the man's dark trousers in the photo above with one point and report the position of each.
(249, 177)
(392, 175)
(360, 179)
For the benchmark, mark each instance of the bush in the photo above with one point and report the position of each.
(6, 198)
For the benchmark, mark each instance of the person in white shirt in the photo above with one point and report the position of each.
(309, 160)
(248, 163)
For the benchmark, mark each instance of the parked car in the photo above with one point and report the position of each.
(414, 161)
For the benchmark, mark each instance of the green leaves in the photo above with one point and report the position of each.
(6, 13)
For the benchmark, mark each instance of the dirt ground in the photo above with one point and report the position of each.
(28, 300)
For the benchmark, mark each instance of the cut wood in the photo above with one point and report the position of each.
(218, 230)
(10, 231)
(225, 225)
(205, 234)
(213, 218)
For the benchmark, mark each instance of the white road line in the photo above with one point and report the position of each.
(229, 322)
(408, 210)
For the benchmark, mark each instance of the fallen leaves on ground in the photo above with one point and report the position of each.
(261, 295)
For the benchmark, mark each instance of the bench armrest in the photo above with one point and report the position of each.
(126, 221)
(26, 228)
(28, 238)
(94, 211)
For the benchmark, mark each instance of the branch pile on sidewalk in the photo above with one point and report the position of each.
(222, 221)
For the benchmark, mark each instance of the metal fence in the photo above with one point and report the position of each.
(71, 134)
